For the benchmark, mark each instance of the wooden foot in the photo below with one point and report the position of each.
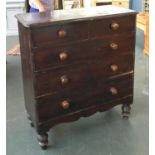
(29, 118)
(126, 111)
(43, 140)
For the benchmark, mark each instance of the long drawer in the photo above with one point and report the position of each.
(53, 106)
(64, 79)
(63, 55)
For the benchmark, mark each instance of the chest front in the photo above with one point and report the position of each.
(76, 68)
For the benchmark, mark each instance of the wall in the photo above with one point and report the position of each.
(136, 5)
(13, 7)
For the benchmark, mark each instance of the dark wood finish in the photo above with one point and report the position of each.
(46, 125)
(60, 4)
(50, 106)
(60, 34)
(79, 75)
(49, 56)
(43, 140)
(27, 68)
(75, 64)
(59, 17)
(126, 110)
(112, 26)
(103, 3)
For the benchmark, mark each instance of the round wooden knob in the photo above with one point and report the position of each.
(113, 91)
(63, 56)
(114, 67)
(62, 33)
(114, 26)
(114, 46)
(65, 104)
(64, 79)
(120, 3)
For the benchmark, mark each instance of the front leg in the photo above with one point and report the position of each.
(126, 110)
(43, 140)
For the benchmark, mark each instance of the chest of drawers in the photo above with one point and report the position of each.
(76, 63)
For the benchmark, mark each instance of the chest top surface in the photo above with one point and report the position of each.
(65, 16)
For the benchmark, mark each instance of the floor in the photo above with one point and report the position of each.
(101, 134)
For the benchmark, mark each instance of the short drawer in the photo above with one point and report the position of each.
(112, 45)
(61, 34)
(50, 107)
(112, 26)
(112, 65)
(63, 79)
(58, 56)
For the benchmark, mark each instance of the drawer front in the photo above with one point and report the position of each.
(112, 66)
(50, 107)
(123, 4)
(59, 34)
(58, 56)
(87, 74)
(64, 79)
(112, 26)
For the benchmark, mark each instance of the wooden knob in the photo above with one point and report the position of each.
(65, 104)
(114, 26)
(63, 56)
(113, 91)
(120, 3)
(114, 46)
(62, 33)
(64, 79)
(114, 67)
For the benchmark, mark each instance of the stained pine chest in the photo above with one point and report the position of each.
(76, 63)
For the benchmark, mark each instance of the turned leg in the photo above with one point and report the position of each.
(43, 140)
(126, 110)
(29, 118)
